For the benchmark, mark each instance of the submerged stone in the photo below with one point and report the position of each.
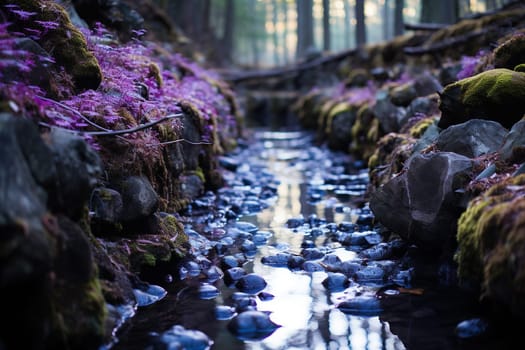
(179, 337)
(336, 282)
(361, 306)
(251, 283)
(207, 291)
(148, 295)
(252, 325)
(471, 328)
(224, 312)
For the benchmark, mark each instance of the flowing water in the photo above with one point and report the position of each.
(290, 188)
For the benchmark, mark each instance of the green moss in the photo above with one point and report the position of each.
(510, 53)
(365, 133)
(520, 68)
(421, 126)
(469, 258)
(79, 316)
(491, 244)
(496, 94)
(148, 259)
(200, 173)
(338, 108)
(357, 77)
(373, 161)
(65, 43)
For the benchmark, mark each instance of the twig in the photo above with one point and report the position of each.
(130, 130)
(180, 140)
(69, 109)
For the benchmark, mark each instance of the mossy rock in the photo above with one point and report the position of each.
(65, 43)
(393, 150)
(496, 94)
(491, 246)
(472, 34)
(365, 133)
(511, 53)
(338, 127)
(419, 128)
(357, 77)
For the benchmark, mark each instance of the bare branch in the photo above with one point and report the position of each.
(130, 130)
(177, 141)
(77, 113)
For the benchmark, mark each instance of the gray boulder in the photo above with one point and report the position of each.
(472, 138)
(78, 169)
(139, 198)
(513, 148)
(422, 204)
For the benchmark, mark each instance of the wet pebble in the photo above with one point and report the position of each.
(312, 266)
(295, 262)
(471, 328)
(213, 274)
(362, 238)
(370, 274)
(229, 261)
(189, 269)
(149, 294)
(207, 292)
(245, 303)
(251, 283)
(336, 282)
(233, 274)
(246, 226)
(224, 312)
(179, 337)
(362, 305)
(264, 296)
(346, 226)
(332, 262)
(251, 206)
(261, 237)
(248, 246)
(378, 252)
(277, 260)
(295, 222)
(312, 253)
(252, 325)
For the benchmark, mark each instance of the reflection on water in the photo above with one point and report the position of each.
(302, 305)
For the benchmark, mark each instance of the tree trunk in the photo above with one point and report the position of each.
(285, 31)
(445, 11)
(387, 32)
(347, 23)
(229, 27)
(305, 29)
(326, 25)
(398, 17)
(491, 4)
(360, 30)
(275, 19)
(253, 34)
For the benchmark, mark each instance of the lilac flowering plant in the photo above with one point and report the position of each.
(136, 88)
(469, 64)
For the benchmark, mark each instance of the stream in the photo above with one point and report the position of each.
(285, 257)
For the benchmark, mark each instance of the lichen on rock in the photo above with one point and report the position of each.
(491, 246)
(495, 94)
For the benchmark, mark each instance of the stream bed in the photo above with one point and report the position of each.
(286, 256)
